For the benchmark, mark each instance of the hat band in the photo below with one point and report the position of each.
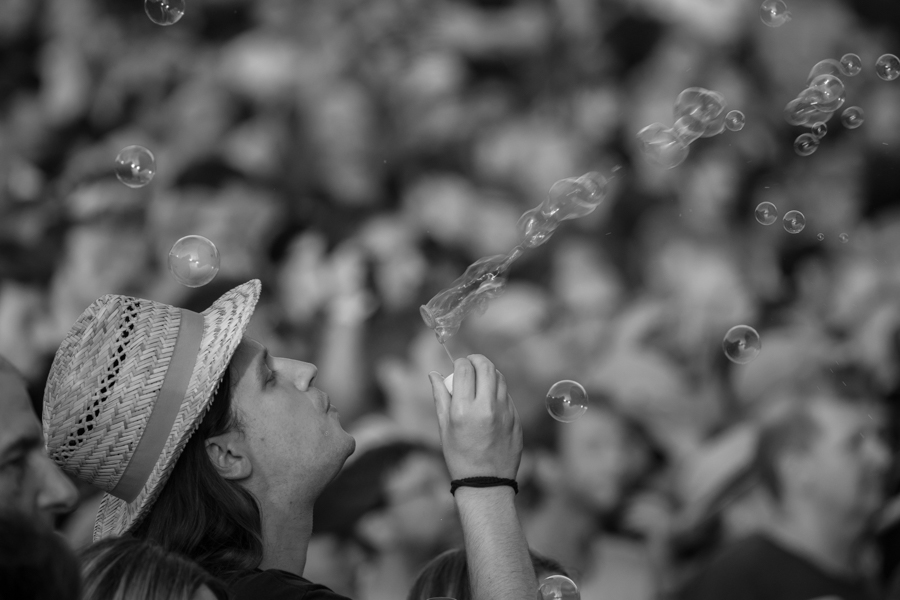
(165, 409)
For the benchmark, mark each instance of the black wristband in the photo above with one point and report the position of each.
(482, 482)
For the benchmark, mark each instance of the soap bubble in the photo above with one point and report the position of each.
(774, 13)
(164, 12)
(661, 146)
(819, 129)
(805, 144)
(820, 237)
(827, 66)
(688, 129)
(794, 221)
(741, 344)
(135, 166)
(825, 93)
(559, 587)
(888, 67)
(194, 261)
(766, 213)
(704, 106)
(844, 238)
(567, 400)
(851, 65)
(803, 110)
(853, 117)
(734, 120)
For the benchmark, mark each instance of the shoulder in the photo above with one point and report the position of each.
(735, 570)
(279, 585)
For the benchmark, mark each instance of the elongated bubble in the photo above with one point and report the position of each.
(661, 147)
(484, 280)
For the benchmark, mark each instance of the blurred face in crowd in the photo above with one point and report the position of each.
(420, 513)
(29, 481)
(844, 470)
(291, 434)
(596, 454)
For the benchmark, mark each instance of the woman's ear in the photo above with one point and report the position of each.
(228, 456)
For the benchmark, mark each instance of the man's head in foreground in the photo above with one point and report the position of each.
(30, 483)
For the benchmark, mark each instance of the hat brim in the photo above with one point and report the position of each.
(224, 324)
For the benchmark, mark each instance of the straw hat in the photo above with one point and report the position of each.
(130, 383)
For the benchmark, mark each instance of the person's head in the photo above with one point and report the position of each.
(127, 568)
(825, 453)
(395, 496)
(30, 483)
(190, 427)
(596, 459)
(447, 575)
(35, 563)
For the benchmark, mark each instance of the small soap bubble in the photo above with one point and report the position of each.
(164, 12)
(194, 261)
(851, 64)
(805, 144)
(820, 237)
(844, 238)
(741, 344)
(888, 67)
(559, 587)
(766, 213)
(853, 117)
(135, 166)
(734, 120)
(794, 221)
(567, 400)
(819, 129)
(774, 13)
(661, 146)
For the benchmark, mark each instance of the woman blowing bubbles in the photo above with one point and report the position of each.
(212, 448)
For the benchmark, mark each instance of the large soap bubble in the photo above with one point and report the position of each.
(194, 261)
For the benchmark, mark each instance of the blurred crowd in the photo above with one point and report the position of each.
(358, 156)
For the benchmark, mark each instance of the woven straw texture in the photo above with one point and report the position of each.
(106, 377)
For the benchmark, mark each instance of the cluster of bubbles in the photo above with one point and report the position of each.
(567, 401)
(485, 279)
(767, 213)
(164, 12)
(698, 113)
(741, 344)
(774, 13)
(823, 96)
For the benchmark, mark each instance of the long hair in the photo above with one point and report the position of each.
(128, 568)
(447, 575)
(199, 514)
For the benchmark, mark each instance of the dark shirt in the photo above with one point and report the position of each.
(279, 585)
(757, 568)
